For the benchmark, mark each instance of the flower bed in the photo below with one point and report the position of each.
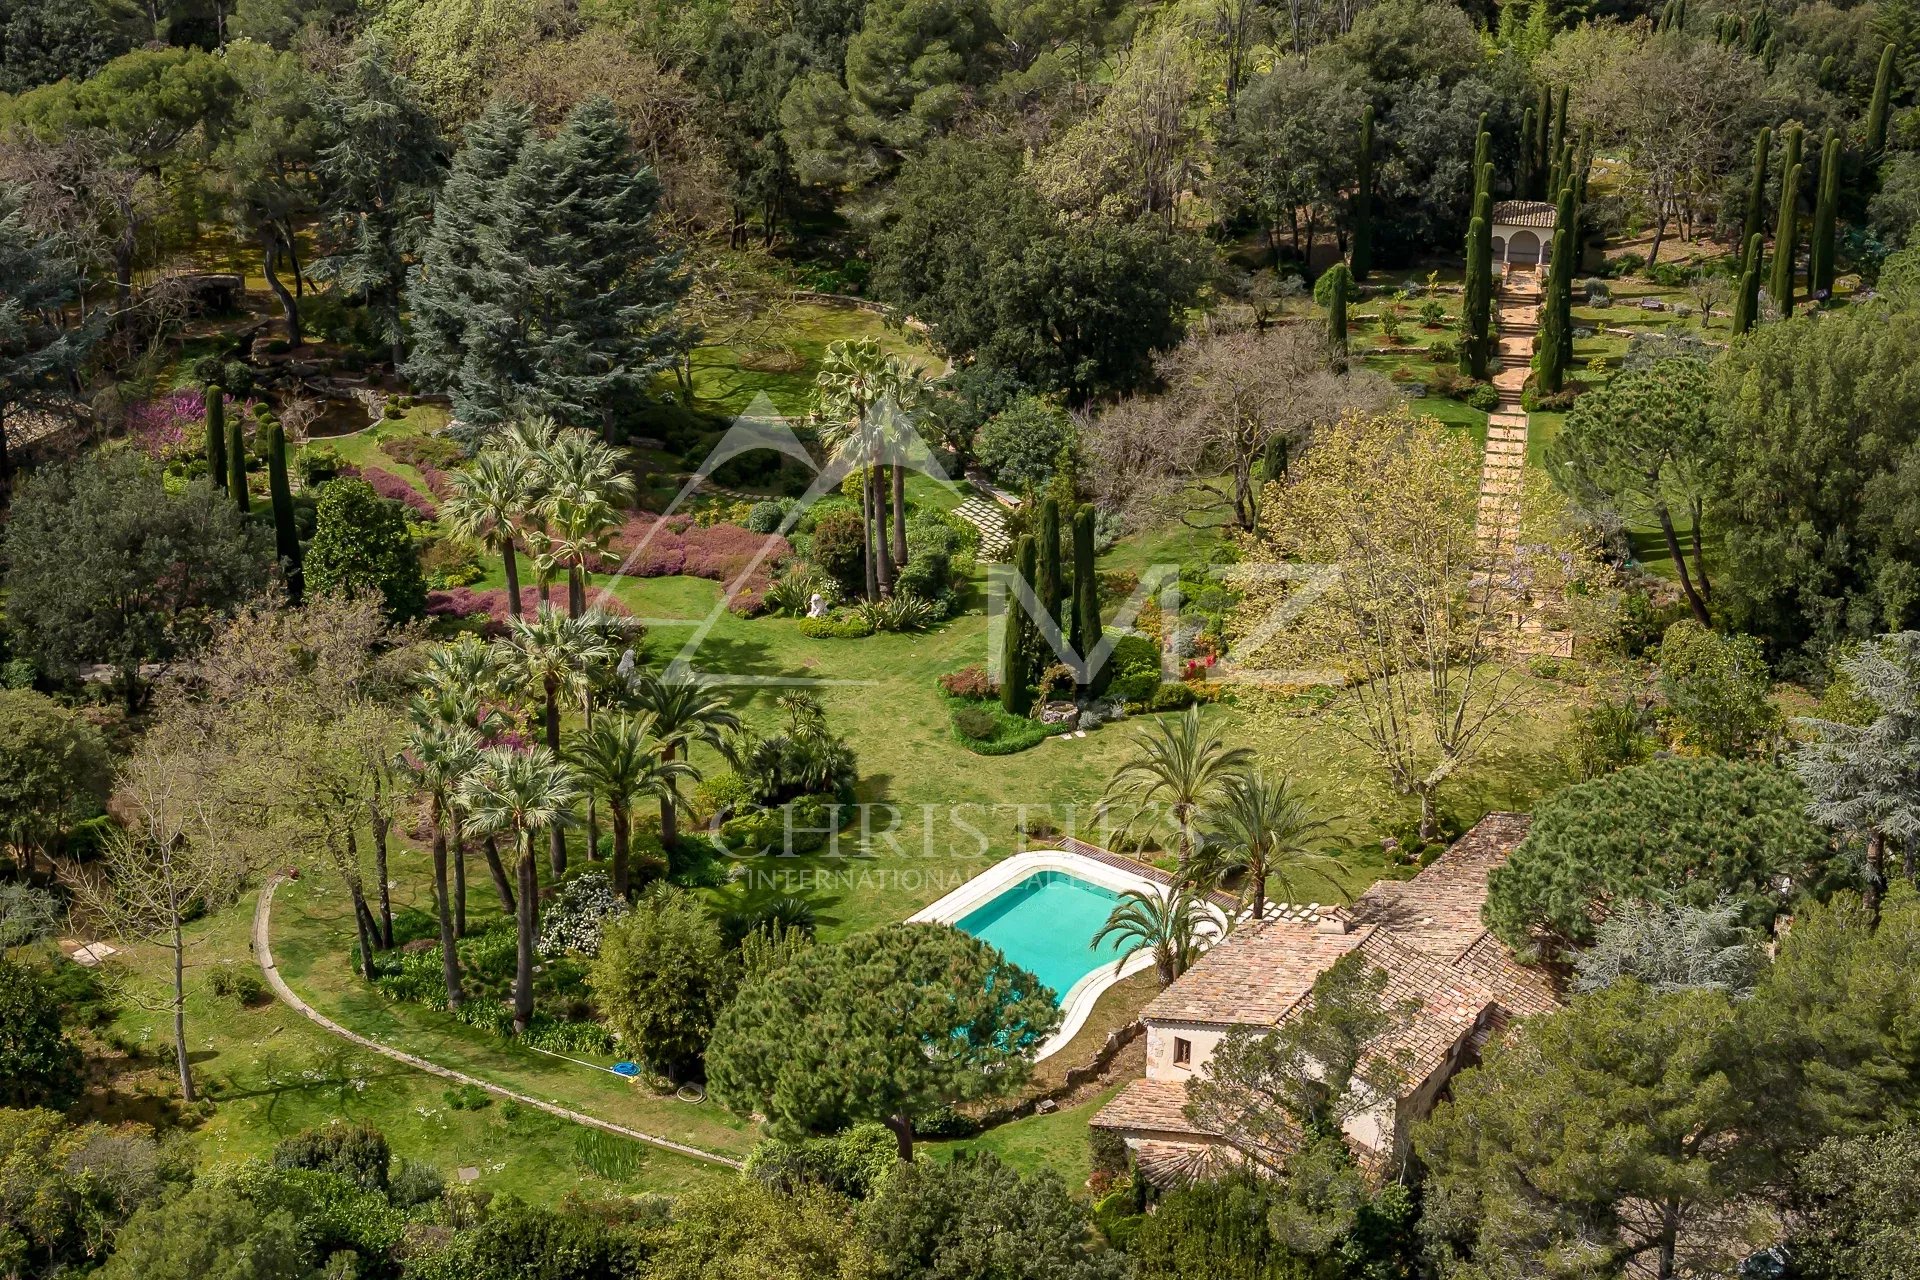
(389, 485)
(723, 553)
(491, 603)
(173, 428)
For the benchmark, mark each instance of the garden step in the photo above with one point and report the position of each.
(985, 516)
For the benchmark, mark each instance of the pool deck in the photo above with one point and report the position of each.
(1083, 862)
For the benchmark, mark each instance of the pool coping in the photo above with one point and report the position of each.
(1078, 1002)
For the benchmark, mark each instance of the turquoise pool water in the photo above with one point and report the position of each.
(1045, 924)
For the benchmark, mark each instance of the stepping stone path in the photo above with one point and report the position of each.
(1518, 304)
(984, 515)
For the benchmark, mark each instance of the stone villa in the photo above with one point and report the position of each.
(1424, 933)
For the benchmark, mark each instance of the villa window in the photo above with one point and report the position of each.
(1182, 1052)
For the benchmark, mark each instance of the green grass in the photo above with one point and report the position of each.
(270, 1073)
(723, 383)
(1057, 1141)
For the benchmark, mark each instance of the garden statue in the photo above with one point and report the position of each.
(817, 606)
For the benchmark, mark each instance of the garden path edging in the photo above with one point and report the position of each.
(263, 954)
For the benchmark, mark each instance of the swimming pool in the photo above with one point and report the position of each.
(1045, 924)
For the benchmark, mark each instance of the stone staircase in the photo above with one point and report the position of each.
(1517, 304)
(1497, 525)
(984, 515)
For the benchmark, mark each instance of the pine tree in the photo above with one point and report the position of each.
(1086, 596)
(378, 174)
(1015, 697)
(1785, 241)
(216, 402)
(1051, 586)
(567, 307)
(1746, 308)
(1337, 314)
(237, 467)
(286, 538)
(1363, 201)
(1825, 218)
(1882, 98)
(1755, 221)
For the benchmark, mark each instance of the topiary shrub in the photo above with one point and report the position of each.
(977, 723)
(765, 517)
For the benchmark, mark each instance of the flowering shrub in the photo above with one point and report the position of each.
(968, 682)
(579, 911)
(723, 553)
(389, 485)
(437, 482)
(174, 427)
(465, 602)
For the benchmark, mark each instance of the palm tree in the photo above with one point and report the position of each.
(1183, 764)
(620, 759)
(551, 654)
(531, 439)
(457, 682)
(856, 376)
(583, 487)
(1169, 924)
(684, 711)
(489, 500)
(441, 756)
(1260, 827)
(521, 793)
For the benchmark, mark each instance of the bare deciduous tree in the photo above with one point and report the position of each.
(1199, 449)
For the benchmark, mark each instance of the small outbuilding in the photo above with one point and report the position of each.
(1522, 232)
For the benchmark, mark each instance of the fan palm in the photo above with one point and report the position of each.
(552, 654)
(684, 711)
(583, 487)
(521, 794)
(856, 376)
(489, 500)
(1169, 924)
(579, 536)
(1182, 764)
(441, 756)
(621, 759)
(456, 683)
(1260, 826)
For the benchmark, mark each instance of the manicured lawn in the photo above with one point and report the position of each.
(1057, 1141)
(271, 1073)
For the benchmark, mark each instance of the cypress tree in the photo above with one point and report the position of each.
(1542, 124)
(1746, 308)
(1273, 463)
(1829, 72)
(1086, 593)
(1556, 337)
(1337, 315)
(1882, 97)
(1482, 146)
(237, 466)
(1796, 138)
(286, 539)
(1015, 697)
(1785, 240)
(1051, 586)
(1755, 222)
(216, 402)
(1363, 201)
(1483, 317)
(1825, 218)
(1559, 140)
(1770, 54)
(1523, 166)
(1473, 351)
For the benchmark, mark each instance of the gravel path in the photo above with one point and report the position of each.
(263, 952)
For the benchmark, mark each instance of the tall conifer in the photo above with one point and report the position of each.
(1756, 217)
(237, 467)
(1825, 222)
(1086, 599)
(1882, 98)
(286, 537)
(1363, 201)
(216, 411)
(1786, 238)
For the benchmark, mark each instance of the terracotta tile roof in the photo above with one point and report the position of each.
(1173, 1165)
(1438, 910)
(1156, 1106)
(1451, 1003)
(1521, 988)
(1255, 976)
(1524, 213)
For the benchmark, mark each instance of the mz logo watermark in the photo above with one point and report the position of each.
(887, 438)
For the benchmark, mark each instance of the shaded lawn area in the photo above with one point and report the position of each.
(722, 382)
(1057, 1142)
(270, 1073)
